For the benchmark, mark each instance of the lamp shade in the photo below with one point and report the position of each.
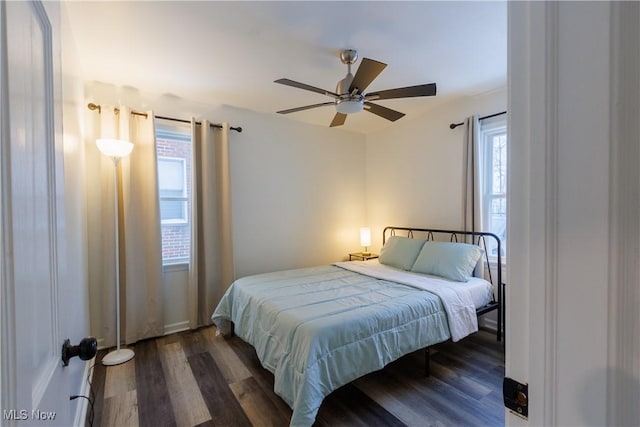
(114, 147)
(365, 236)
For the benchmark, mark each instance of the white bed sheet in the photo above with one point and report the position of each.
(480, 290)
(458, 298)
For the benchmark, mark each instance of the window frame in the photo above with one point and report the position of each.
(184, 198)
(490, 129)
(176, 133)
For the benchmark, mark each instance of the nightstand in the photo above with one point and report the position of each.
(362, 257)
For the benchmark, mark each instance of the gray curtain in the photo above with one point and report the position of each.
(472, 191)
(212, 267)
(472, 184)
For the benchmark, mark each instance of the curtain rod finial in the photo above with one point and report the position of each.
(93, 106)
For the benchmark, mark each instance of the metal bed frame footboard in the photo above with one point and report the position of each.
(478, 238)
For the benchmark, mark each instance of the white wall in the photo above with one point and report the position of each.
(298, 194)
(75, 290)
(415, 168)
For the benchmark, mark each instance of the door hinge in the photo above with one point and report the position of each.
(516, 396)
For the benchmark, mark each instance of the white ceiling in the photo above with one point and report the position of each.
(231, 52)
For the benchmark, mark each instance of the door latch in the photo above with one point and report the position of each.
(516, 396)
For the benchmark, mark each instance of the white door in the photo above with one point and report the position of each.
(34, 388)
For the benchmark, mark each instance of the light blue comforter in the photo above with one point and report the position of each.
(319, 328)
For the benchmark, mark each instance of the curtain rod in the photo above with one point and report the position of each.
(455, 125)
(93, 106)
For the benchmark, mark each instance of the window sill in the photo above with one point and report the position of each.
(493, 263)
(174, 222)
(175, 266)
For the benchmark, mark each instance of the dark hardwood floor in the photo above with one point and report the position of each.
(196, 378)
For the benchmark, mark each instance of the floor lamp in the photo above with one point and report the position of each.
(116, 149)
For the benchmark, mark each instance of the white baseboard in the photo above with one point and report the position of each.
(168, 330)
(83, 406)
(101, 344)
(176, 327)
(490, 324)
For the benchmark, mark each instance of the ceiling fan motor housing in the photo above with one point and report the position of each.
(342, 88)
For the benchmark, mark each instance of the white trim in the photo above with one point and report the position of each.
(2, 251)
(175, 264)
(488, 323)
(179, 265)
(85, 389)
(192, 283)
(42, 381)
(493, 124)
(550, 355)
(624, 211)
(169, 329)
(531, 317)
(487, 135)
(8, 384)
(46, 372)
(176, 327)
(168, 130)
(54, 361)
(184, 198)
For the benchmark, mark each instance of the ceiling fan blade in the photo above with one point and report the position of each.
(292, 83)
(368, 70)
(306, 107)
(403, 92)
(384, 112)
(338, 119)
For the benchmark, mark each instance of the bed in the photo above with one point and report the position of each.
(317, 329)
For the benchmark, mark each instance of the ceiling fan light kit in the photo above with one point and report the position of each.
(350, 98)
(349, 106)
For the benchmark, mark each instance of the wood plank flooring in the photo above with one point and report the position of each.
(196, 378)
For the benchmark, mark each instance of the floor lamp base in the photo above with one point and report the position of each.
(118, 356)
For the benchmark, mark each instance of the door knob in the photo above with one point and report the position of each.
(87, 348)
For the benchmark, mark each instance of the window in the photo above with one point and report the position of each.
(172, 184)
(493, 136)
(173, 150)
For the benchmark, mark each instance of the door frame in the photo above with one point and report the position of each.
(7, 311)
(548, 139)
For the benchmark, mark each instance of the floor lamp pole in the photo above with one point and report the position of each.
(119, 355)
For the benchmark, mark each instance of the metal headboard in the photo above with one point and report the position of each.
(474, 237)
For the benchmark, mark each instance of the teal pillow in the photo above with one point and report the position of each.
(453, 261)
(400, 252)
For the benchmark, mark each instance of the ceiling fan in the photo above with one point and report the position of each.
(350, 96)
